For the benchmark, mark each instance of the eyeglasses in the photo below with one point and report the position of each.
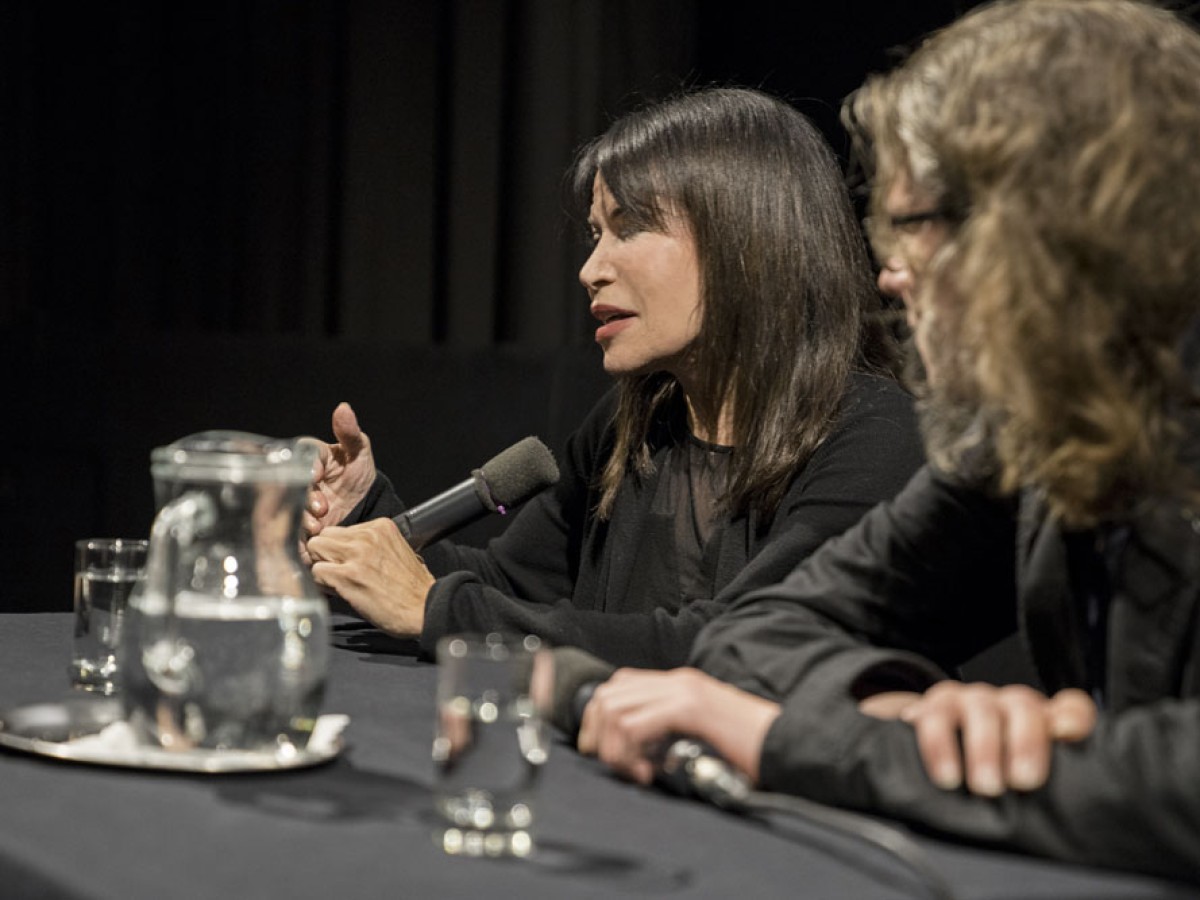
(886, 233)
(906, 221)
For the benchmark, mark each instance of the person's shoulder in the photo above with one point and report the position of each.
(589, 444)
(873, 397)
(877, 425)
(602, 414)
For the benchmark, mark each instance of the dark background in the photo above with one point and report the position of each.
(236, 214)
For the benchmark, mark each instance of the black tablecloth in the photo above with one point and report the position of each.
(362, 825)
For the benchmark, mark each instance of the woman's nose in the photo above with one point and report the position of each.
(595, 271)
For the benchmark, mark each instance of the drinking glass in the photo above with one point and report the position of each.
(106, 571)
(490, 741)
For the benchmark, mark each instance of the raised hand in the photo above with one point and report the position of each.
(342, 475)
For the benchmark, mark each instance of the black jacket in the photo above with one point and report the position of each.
(560, 572)
(920, 584)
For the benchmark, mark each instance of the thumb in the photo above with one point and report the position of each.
(1072, 715)
(346, 430)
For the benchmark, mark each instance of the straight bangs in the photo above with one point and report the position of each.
(786, 289)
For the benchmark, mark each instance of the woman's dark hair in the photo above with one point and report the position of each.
(788, 303)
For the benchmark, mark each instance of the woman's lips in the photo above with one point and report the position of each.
(612, 327)
(612, 321)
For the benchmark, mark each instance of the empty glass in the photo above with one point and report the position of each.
(490, 741)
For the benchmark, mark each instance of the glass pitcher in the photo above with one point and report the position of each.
(227, 646)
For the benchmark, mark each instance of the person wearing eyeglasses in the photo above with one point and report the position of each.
(1035, 188)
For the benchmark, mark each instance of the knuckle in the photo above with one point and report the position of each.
(933, 736)
(942, 689)
(1019, 693)
(601, 701)
(942, 697)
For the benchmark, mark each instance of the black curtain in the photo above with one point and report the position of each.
(322, 168)
(235, 213)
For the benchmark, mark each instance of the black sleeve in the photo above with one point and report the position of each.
(931, 573)
(380, 502)
(651, 640)
(1125, 798)
(524, 580)
(865, 460)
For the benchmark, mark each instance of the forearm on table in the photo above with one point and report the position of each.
(656, 640)
(1123, 798)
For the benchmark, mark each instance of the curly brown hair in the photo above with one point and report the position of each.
(1065, 132)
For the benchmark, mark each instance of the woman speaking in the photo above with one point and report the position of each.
(753, 415)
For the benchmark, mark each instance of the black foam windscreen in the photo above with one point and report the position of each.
(576, 674)
(514, 475)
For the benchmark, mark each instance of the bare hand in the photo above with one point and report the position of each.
(631, 716)
(373, 568)
(342, 475)
(1002, 736)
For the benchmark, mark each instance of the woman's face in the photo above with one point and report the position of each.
(644, 288)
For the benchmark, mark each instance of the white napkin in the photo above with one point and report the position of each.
(119, 738)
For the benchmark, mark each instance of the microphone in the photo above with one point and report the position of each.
(692, 768)
(505, 481)
(577, 674)
(687, 767)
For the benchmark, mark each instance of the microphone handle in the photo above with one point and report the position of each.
(439, 516)
(692, 768)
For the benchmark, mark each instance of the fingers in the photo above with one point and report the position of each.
(310, 527)
(367, 540)
(1030, 741)
(889, 704)
(935, 720)
(632, 716)
(322, 450)
(371, 567)
(315, 507)
(994, 738)
(589, 730)
(346, 430)
(629, 715)
(624, 746)
(329, 548)
(983, 746)
(1072, 715)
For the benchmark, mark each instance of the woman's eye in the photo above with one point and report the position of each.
(623, 225)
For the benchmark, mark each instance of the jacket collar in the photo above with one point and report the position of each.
(1154, 585)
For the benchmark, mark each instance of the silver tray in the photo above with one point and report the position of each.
(85, 729)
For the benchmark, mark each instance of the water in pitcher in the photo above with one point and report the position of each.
(244, 674)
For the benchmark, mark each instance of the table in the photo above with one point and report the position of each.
(362, 825)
